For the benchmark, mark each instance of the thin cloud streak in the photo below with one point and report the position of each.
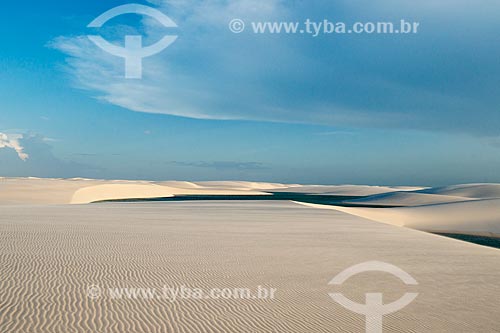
(232, 165)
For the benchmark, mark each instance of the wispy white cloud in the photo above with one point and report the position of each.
(364, 81)
(209, 72)
(168, 87)
(11, 141)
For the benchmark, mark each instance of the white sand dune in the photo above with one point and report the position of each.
(179, 184)
(119, 191)
(472, 209)
(430, 196)
(28, 191)
(457, 208)
(51, 255)
(405, 199)
(150, 190)
(478, 191)
(81, 190)
(475, 217)
(242, 185)
(343, 190)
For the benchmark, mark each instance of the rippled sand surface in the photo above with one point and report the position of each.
(51, 255)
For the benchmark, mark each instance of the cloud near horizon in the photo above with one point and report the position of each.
(31, 155)
(11, 141)
(430, 81)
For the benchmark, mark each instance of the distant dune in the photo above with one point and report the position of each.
(478, 191)
(405, 199)
(435, 210)
(469, 208)
(344, 190)
(119, 191)
(81, 191)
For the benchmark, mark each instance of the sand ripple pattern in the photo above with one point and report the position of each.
(49, 256)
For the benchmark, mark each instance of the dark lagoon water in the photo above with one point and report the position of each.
(481, 240)
(285, 196)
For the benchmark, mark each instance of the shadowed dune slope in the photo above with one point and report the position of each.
(476, 217)
(478, 191)
(406, 199)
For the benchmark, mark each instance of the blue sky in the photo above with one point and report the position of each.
(364, 109)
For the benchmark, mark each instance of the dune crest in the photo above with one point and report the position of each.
(405, 199)
(478, 191)
(119, 191)
(344, 190)
(39, 191)
(476, 217)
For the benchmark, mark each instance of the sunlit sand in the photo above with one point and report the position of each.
(54, 248)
